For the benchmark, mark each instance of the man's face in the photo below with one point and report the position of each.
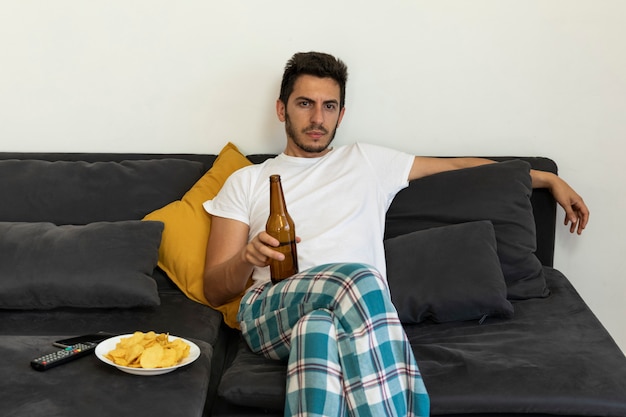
(311, 116)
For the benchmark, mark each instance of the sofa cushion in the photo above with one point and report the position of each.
(77, 192)
(90, 387)
(187, 225)
(253, 380)
(104, 264)
(449, 273)
(497, 192)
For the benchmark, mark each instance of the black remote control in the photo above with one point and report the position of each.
(50, 360)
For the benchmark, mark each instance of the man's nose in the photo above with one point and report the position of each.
(317, 116)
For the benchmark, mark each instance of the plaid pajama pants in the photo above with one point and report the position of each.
(347, 352)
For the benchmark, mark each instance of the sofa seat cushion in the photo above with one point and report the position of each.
(254, 381)
(90, 387)
(552, 358)
(103, 264)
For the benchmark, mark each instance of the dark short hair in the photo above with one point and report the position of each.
(317, 64)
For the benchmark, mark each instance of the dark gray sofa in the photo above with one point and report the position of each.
(513, 338)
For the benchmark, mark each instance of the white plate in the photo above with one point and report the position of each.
(107, 345)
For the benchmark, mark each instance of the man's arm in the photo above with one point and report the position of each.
(424, 166)
(230, 259)
(576, 211)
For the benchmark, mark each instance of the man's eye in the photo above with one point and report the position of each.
(304, 103)
(331, 106)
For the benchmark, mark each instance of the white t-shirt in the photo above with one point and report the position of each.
(338, 202)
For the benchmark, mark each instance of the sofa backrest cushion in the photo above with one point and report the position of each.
(79, 192)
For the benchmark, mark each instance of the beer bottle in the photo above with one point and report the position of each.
(280, 226)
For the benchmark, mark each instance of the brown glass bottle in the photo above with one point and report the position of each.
(280, 226)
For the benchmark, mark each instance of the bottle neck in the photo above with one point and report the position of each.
(277, 198)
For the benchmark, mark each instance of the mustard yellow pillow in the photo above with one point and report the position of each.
(187, 225)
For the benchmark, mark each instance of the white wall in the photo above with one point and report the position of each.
(534, 77)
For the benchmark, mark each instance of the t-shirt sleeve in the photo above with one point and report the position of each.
(231, 201)
(392, 167)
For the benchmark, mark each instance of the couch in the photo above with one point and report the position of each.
(114, 242)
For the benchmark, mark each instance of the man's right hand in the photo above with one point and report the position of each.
(259, 250)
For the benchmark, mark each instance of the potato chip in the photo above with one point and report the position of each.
(151, 357)
(137, 337)
(148, 350)
(169, 358)
(133, 352)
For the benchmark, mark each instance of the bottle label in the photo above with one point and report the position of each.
(280, 270)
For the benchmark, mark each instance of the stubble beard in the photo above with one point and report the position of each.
(297, 138)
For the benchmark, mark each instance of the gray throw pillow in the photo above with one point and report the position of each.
(497, 192)
(104, 264)
(449, 273)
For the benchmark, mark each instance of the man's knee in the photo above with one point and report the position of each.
(351, 286)
(363, 277)
(317, 321)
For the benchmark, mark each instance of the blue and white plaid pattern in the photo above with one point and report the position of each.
(346, 349)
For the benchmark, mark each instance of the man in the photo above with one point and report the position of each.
(334, 322)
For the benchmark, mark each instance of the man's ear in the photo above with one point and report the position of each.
(280, 110)
(341, 112)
